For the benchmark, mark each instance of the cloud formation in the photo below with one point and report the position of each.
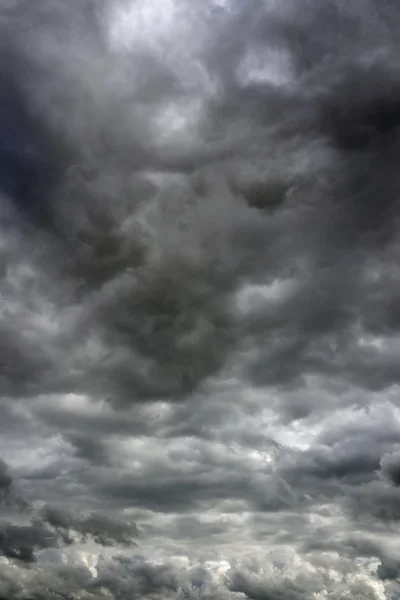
(199, 349)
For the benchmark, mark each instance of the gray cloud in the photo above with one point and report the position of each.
(5, 480)
(199, 299)
(389, 465)
(53, 527)
(150, 305)
(104, 530)
(21, 541)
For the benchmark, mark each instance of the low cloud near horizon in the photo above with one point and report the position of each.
(200, 300)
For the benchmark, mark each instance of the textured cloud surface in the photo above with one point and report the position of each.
(200, 300)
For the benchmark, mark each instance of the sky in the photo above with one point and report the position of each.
(200, 300)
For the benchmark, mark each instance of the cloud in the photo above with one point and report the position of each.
(20, 541)
(104, 530)
(5, 480)
(153, 295)
(53, 527)
(389, 466)
(199, 284)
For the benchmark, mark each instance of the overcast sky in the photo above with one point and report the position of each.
(200, 300)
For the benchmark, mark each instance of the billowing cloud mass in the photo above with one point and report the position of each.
(200, 300)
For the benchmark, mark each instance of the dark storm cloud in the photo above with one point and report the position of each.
(154, 292)
(199, 298)
(5, 480)
(102, 529)
(390, 465)
(190, 476)
(349, 454)
(53, 527)
(353, 464)
(21, 541)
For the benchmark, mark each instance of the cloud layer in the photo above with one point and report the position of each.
(199, 349)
